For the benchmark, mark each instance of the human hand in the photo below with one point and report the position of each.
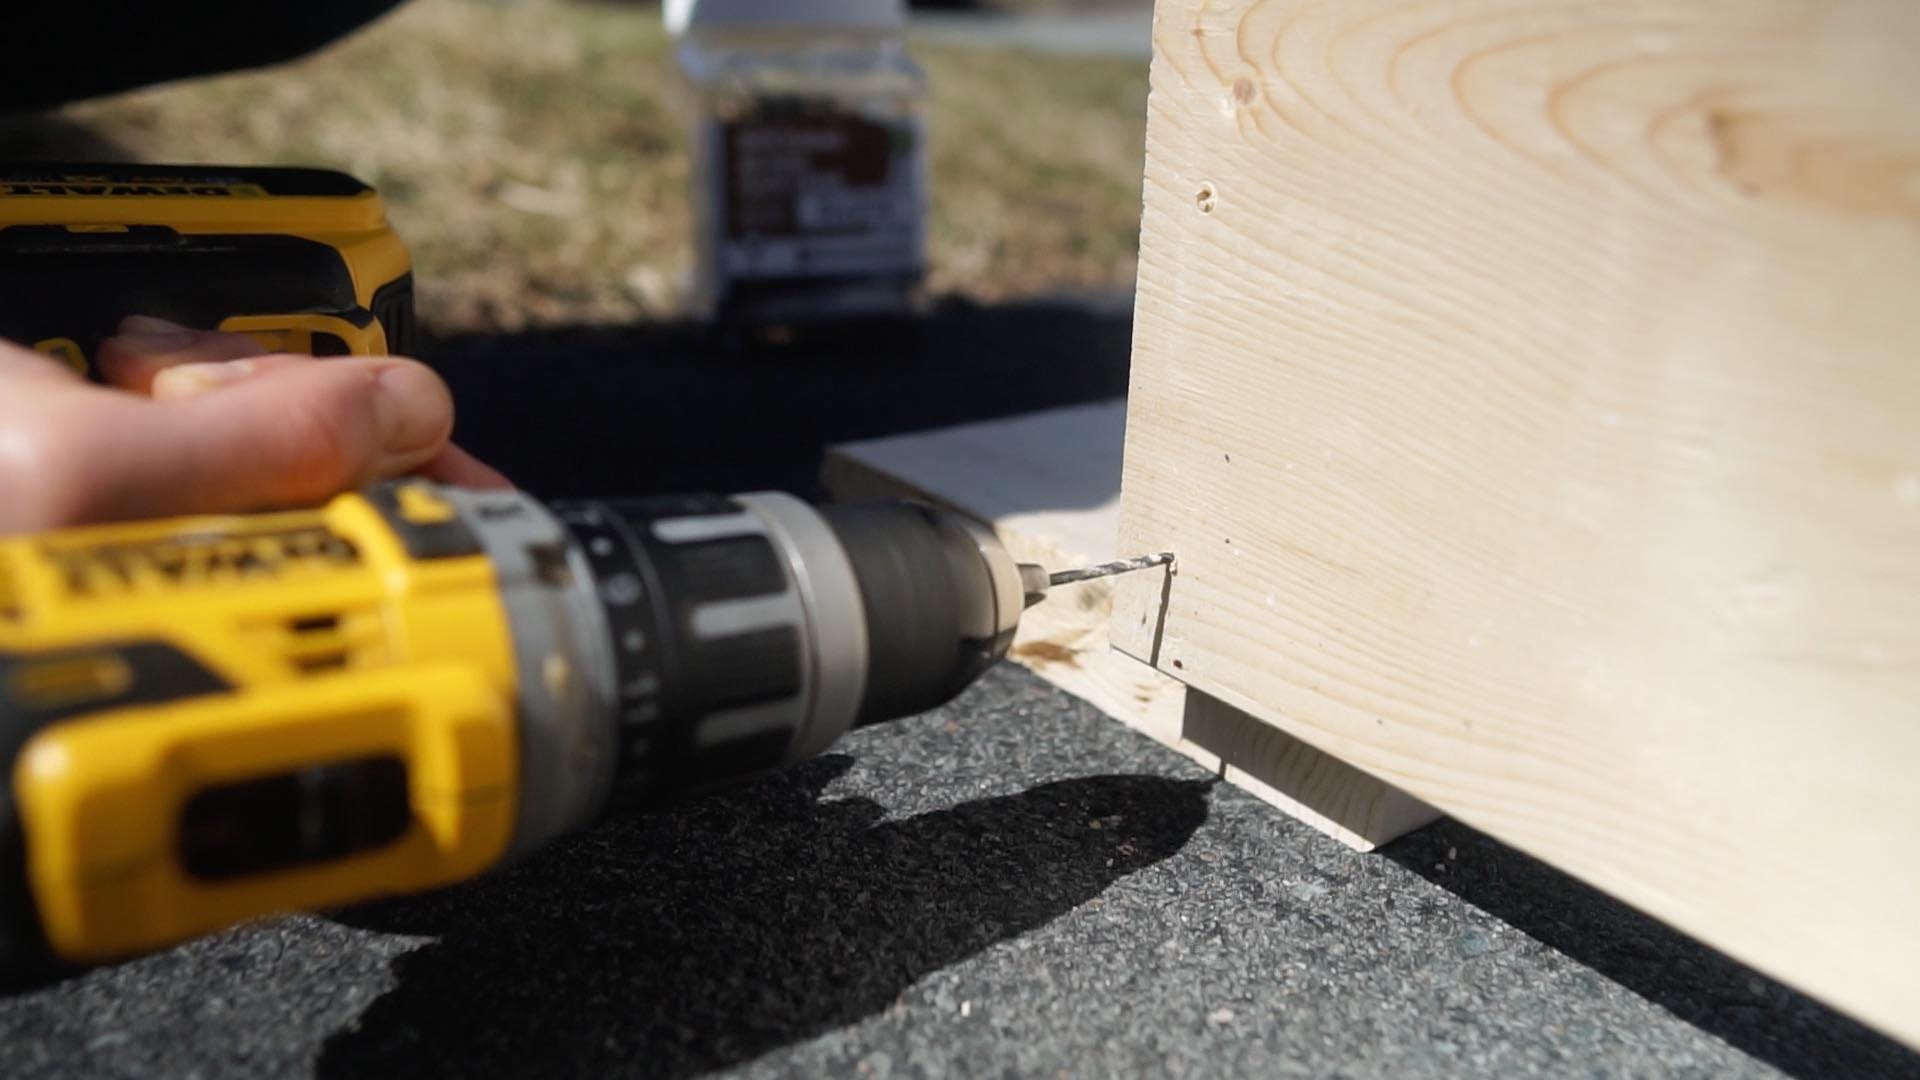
(205, 422)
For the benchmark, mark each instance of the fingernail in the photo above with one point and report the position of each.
(412, 409)
(154, 335)
(185, 380)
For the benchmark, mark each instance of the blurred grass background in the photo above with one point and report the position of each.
(531, 154)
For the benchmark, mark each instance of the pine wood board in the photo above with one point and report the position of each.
(1531, 396)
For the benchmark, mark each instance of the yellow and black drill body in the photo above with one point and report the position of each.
(208, 719)
(301, 259)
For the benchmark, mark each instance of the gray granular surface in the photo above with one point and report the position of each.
(1012, 885)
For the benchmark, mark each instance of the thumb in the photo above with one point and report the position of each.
(288, 434)
(451, 466)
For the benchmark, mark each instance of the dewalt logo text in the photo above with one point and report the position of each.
(195, 560)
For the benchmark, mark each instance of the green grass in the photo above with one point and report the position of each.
(531, 155)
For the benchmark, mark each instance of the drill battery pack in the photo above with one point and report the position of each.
(302, 260)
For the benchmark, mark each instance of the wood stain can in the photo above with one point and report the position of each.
(808, 160)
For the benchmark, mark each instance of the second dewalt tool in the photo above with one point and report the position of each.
(301, 260)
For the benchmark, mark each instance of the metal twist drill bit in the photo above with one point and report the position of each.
(1108, 569)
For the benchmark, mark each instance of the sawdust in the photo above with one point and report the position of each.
(1041, 653)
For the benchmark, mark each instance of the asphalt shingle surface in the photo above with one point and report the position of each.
(1011, 885)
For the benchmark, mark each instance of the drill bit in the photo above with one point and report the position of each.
(1108, 569)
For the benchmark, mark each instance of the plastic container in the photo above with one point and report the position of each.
(808, 171)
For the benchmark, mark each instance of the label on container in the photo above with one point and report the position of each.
(818, 195)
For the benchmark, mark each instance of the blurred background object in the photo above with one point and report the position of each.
(807, 156)
(534, 160)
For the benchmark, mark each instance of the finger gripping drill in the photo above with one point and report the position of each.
(210, 719)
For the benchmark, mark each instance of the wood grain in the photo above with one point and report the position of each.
(1048, 484)
(1531, 395)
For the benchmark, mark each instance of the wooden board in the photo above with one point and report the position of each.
(1531, 395)
(1048, 483)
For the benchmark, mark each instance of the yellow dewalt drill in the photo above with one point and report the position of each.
(208, 719)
